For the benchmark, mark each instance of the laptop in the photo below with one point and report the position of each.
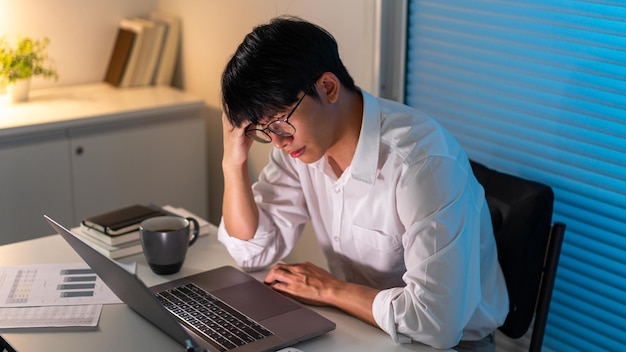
(222, 309)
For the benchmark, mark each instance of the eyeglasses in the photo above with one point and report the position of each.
(280, 127)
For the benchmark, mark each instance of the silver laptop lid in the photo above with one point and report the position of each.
(127, 287)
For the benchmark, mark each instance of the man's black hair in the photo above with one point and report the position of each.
(273, 64)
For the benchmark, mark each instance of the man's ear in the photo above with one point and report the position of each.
(329, 87)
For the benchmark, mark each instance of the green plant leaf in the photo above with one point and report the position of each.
(28, 58)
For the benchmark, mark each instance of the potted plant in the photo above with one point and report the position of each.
(18, 64)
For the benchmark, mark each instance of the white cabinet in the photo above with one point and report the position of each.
(35, 179)
(77, 151)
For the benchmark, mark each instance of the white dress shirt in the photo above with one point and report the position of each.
(407, 217)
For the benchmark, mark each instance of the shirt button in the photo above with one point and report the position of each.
(337, 190)
(336, 238)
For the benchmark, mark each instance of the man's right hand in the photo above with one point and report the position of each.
(236, 144)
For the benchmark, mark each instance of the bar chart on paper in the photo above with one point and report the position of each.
(58, 284)
(72, 283)
(55, 295)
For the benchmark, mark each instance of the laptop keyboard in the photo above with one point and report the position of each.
(224, 326)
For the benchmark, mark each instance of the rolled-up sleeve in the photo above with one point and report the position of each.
(264, 249)
(442, 257)
(282, 215)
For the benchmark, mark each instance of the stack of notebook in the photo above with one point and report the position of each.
(116, 233)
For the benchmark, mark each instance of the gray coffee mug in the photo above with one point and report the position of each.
(165, 240)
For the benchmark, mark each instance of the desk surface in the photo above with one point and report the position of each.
(121, 329)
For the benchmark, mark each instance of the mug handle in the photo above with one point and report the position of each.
(196, 230)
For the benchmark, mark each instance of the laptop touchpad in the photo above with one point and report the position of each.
(256, 300)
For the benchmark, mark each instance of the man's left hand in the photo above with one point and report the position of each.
(305, 282)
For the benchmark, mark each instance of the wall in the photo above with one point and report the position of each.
(82, 34)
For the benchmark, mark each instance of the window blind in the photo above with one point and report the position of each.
(538, 89)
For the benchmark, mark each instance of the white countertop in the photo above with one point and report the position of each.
(75, 106)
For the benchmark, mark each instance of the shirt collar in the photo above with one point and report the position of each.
(364, 165)
(365, 162)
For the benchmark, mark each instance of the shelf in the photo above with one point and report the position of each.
(78, 106)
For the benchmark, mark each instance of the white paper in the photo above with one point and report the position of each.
(130, 267)
(52, 285)
(204, 224)
(50, 316)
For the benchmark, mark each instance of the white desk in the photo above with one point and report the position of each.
(121, 329)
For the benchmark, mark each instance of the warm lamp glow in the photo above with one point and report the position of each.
(8, 20)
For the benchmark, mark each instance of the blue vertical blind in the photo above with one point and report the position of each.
(538, 89)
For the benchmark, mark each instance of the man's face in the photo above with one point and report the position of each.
(314, 124)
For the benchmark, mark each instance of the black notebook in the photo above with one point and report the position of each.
(123, 220)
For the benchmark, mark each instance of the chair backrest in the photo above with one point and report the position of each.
(521, 212)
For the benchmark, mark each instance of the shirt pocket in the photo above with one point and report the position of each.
(380, 255)
(369, 239)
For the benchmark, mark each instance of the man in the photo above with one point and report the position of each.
(401, 219)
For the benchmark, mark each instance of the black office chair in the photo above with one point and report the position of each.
(529, 246)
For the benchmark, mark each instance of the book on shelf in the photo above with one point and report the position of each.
(149, 53)
(119, 57)
(133, 59)
(145, 51)
(169, 51)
